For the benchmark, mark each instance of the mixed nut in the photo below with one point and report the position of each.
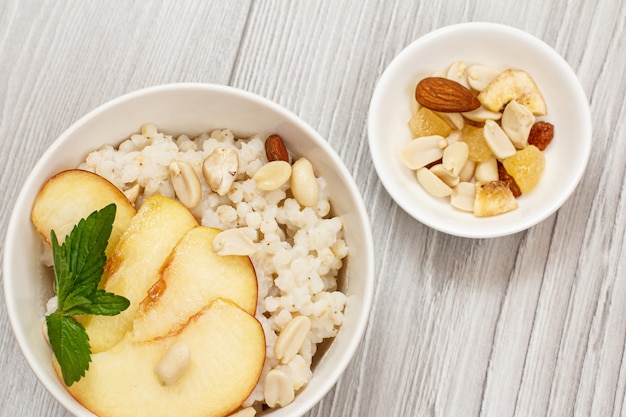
(476, 139)
(221, 167)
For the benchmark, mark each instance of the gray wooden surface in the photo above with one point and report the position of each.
(532, 324)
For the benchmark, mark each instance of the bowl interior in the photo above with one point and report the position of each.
(190, 109)
(500, 47)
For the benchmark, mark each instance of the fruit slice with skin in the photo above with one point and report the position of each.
(227, 352)
(196, 275)
(136, 262)
(513, 84)
(72, 195)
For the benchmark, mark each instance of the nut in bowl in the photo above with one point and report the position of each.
(492, 49)
(188, 134)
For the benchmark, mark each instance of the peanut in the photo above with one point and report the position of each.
(291, 338)
(432, 183)
(272, 175)
(186, 183)
(304, 184)
(497, 140)
(463, 196)
(422, 151)
(516, 122)
(278, 389)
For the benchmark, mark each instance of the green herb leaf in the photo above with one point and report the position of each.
(70, 345)
(78, 267)
(107, 304)
(81, 257)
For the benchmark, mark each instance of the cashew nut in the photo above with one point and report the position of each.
(173, 364)
(186, 183)
(220, 169)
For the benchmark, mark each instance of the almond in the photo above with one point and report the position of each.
(275, 149)
(441, 94)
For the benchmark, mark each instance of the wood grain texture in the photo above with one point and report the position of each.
(532, 324)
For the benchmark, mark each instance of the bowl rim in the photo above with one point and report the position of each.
(387, 179)
(12, 233)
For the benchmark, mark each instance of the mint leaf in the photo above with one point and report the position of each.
(81, 257)
(70, 345)
(107, 304)
(78, 267)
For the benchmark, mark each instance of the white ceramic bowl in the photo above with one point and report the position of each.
(191, 109)
(501, 47)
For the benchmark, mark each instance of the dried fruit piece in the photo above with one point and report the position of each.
(441, 94)
(475, 139)
(526, 167)
(505, 176)
(426, 123)
(275, 149)
(493, 198)
(513, 84)
(541, 134)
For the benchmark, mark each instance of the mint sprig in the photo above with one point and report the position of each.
(78, 267)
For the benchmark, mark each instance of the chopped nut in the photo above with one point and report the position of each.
(220, 169)
(185, 183)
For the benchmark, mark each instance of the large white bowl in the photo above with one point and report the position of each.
(501, 47)
(191, 109)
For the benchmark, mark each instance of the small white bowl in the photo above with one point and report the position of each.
(500, 47)
(191, 109)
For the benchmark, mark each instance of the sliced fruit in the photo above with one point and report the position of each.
(426, 123)
(191, 278)
(474, 136)
(135, 264)
(493, 198)
(513, 84)
(226, 348)
(526, 167)
(72, 195)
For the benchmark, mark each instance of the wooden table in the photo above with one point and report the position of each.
(532, 324)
